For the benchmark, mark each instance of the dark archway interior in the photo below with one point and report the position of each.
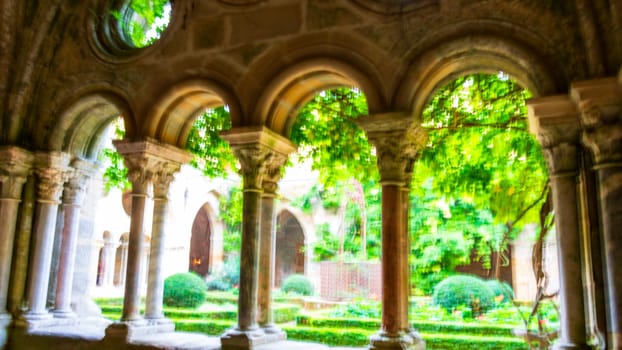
(290, 240)
(199, 261)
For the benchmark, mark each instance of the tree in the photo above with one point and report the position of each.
(481, 152)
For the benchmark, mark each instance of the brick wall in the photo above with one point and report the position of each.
(345, 280)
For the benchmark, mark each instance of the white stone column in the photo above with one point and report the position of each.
(254, 148)
(51, 170)
(267, 245)
(108, 255)
(155, 289)
(600, 104)
(397, 145)
(72, 201)
(15, 165)
(555, 122)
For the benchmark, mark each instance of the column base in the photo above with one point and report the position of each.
(29, 321)
(128, 330)
(236, 339)
(64, 314)
(273, 332)
(5, 326)
(402, 341)
(564, 346)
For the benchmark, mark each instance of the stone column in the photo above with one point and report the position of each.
(15, 165)
(51, 170)
(144, 161)
(21, 251)
(600, 103)
(254, 148)
(267, 245)
(397, 145)
(554, 120)
(72, 201)
(155, 284)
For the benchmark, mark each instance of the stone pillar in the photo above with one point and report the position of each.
(108, 255)
(554, 120)
(397, 145)
(144, 161)
(267, 246)
(21, 251)
(15, 165)
(254, 148)
(155, 284)
(51, 170)
(72, 201)
(600, 103)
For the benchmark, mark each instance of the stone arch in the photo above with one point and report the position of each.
(81, 125)
(120, 260)
(171, 119)
(297, 84)
(200, 257)
(290, 241)
(473, 54)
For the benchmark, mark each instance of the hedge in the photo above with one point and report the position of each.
(421, 326)
(202, 326)
(281, 313)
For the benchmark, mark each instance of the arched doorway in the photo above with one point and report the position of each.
(290, 240)
(200, 243)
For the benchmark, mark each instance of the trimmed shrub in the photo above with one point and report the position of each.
(298, 284)
(502, 291)
(227, 277)
(464, 291)
(184, 290)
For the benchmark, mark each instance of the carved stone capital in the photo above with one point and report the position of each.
(273, 173)
(600, 103)
(15, 166)
(261, 153)
(78, 179)
(398, 144)
(162, 178)
(52, 171)
(149, 161)
(554, 120)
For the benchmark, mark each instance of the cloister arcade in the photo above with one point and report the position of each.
(67, 72)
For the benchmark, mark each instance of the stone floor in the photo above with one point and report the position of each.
(91, 336)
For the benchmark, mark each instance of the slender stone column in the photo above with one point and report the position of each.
(72, 201)
(254, 148)
(267, 246)
(554, 121)
(21, 251)
(600, 103)
(51, 170)
(15, 165)
(397, 145)
(155, 285)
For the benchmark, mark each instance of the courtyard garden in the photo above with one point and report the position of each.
(464, 312)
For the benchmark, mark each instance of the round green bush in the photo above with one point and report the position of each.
(298, 284)
(184, 290)
(464, 291)
(501, 290)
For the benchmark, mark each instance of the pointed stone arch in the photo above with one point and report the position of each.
(200, 258)
(290, 256)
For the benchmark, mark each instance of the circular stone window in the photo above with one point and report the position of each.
(129, 25)
(143, 21)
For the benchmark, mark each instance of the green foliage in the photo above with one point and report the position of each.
(115, 174)
(212, 154)
(502, 291)
(358, 308)
(297, 284)
(148, 20)
(464, 291)
(329, 336)
(184, 290)
(231, 214)
(209, 327)
(326, 133)
(227, 277)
